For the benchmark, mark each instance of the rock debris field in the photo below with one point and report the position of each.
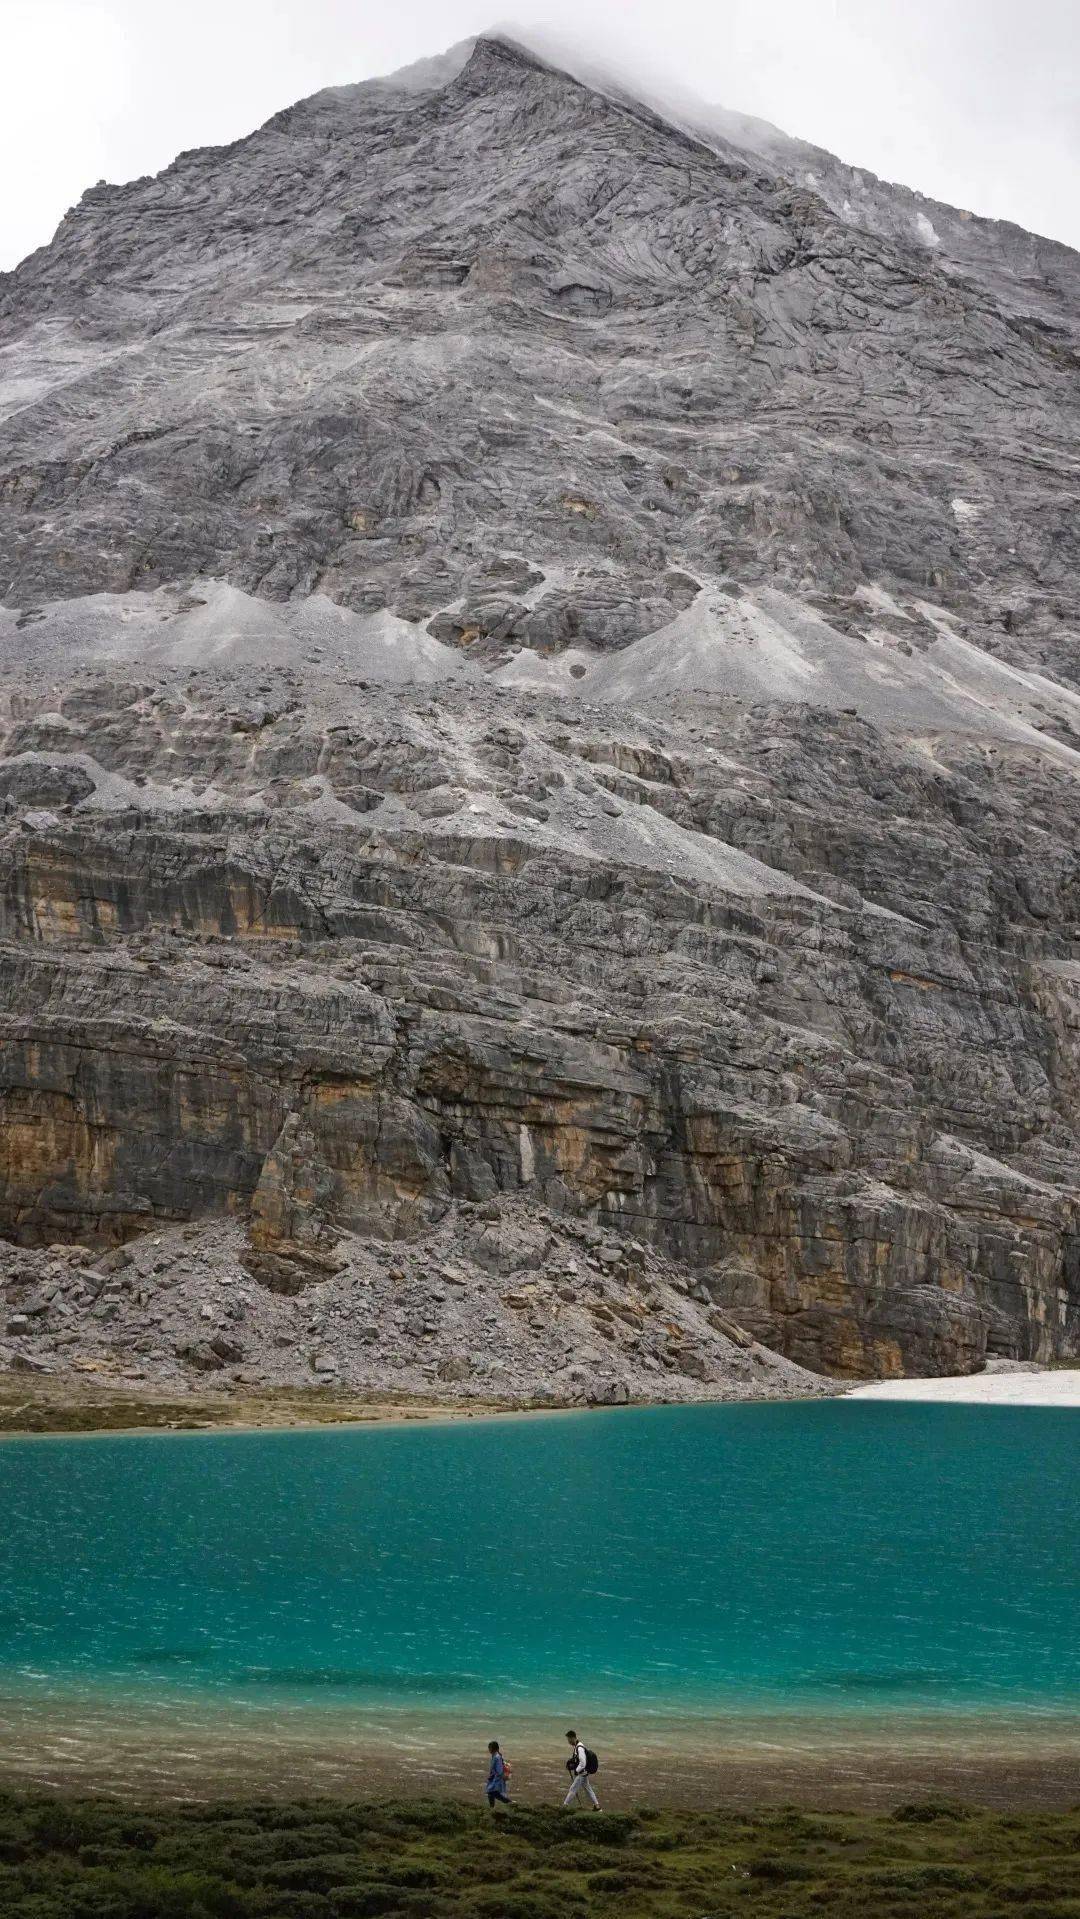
(497, 1302)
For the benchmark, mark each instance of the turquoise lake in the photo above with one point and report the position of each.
(857, 1558)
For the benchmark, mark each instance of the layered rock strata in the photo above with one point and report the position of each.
(540, 688)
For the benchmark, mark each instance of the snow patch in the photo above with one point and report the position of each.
(927, 231)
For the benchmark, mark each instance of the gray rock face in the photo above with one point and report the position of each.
(540, 670)
(399, 335)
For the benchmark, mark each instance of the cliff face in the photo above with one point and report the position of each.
(540, 672)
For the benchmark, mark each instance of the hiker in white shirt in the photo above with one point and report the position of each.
(579, 1768)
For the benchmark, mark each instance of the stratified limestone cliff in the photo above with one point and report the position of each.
(539, 673)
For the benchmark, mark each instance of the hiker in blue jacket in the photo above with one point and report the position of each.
(497, 1781)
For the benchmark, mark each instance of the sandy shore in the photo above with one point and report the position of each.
(1060, 1387)
(179, 1753)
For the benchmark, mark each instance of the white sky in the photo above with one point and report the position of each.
(976, 102)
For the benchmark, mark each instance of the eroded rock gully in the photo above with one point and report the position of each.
(538, 762)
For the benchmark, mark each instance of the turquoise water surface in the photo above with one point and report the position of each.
(856, 1557)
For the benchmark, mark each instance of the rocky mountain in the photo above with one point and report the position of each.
(540, 732)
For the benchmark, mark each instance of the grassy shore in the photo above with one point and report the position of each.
(95, 1859)
(72, 1403)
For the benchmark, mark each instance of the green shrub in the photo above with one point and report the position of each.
(158, 1895)
(312, 1873)
(778, 1870)
(59, 1826)
(926, 1812)
(513, 1904)
(87, 1859)
(358, 1902)
(622, 1880)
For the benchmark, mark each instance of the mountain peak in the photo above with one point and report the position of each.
(499, 46)
(540, 632)
(495, 60)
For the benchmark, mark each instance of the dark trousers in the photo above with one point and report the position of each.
(494, 1794)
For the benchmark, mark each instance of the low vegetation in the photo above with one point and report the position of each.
(95, 1859)
(70, 1405)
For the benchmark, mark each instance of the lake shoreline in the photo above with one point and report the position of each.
(800, 1604)
(70, 1405)
(66, 1407)
(171, 1757)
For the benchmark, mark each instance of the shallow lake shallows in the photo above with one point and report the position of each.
(848, 1558)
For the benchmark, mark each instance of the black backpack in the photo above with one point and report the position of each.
(592, 1763)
